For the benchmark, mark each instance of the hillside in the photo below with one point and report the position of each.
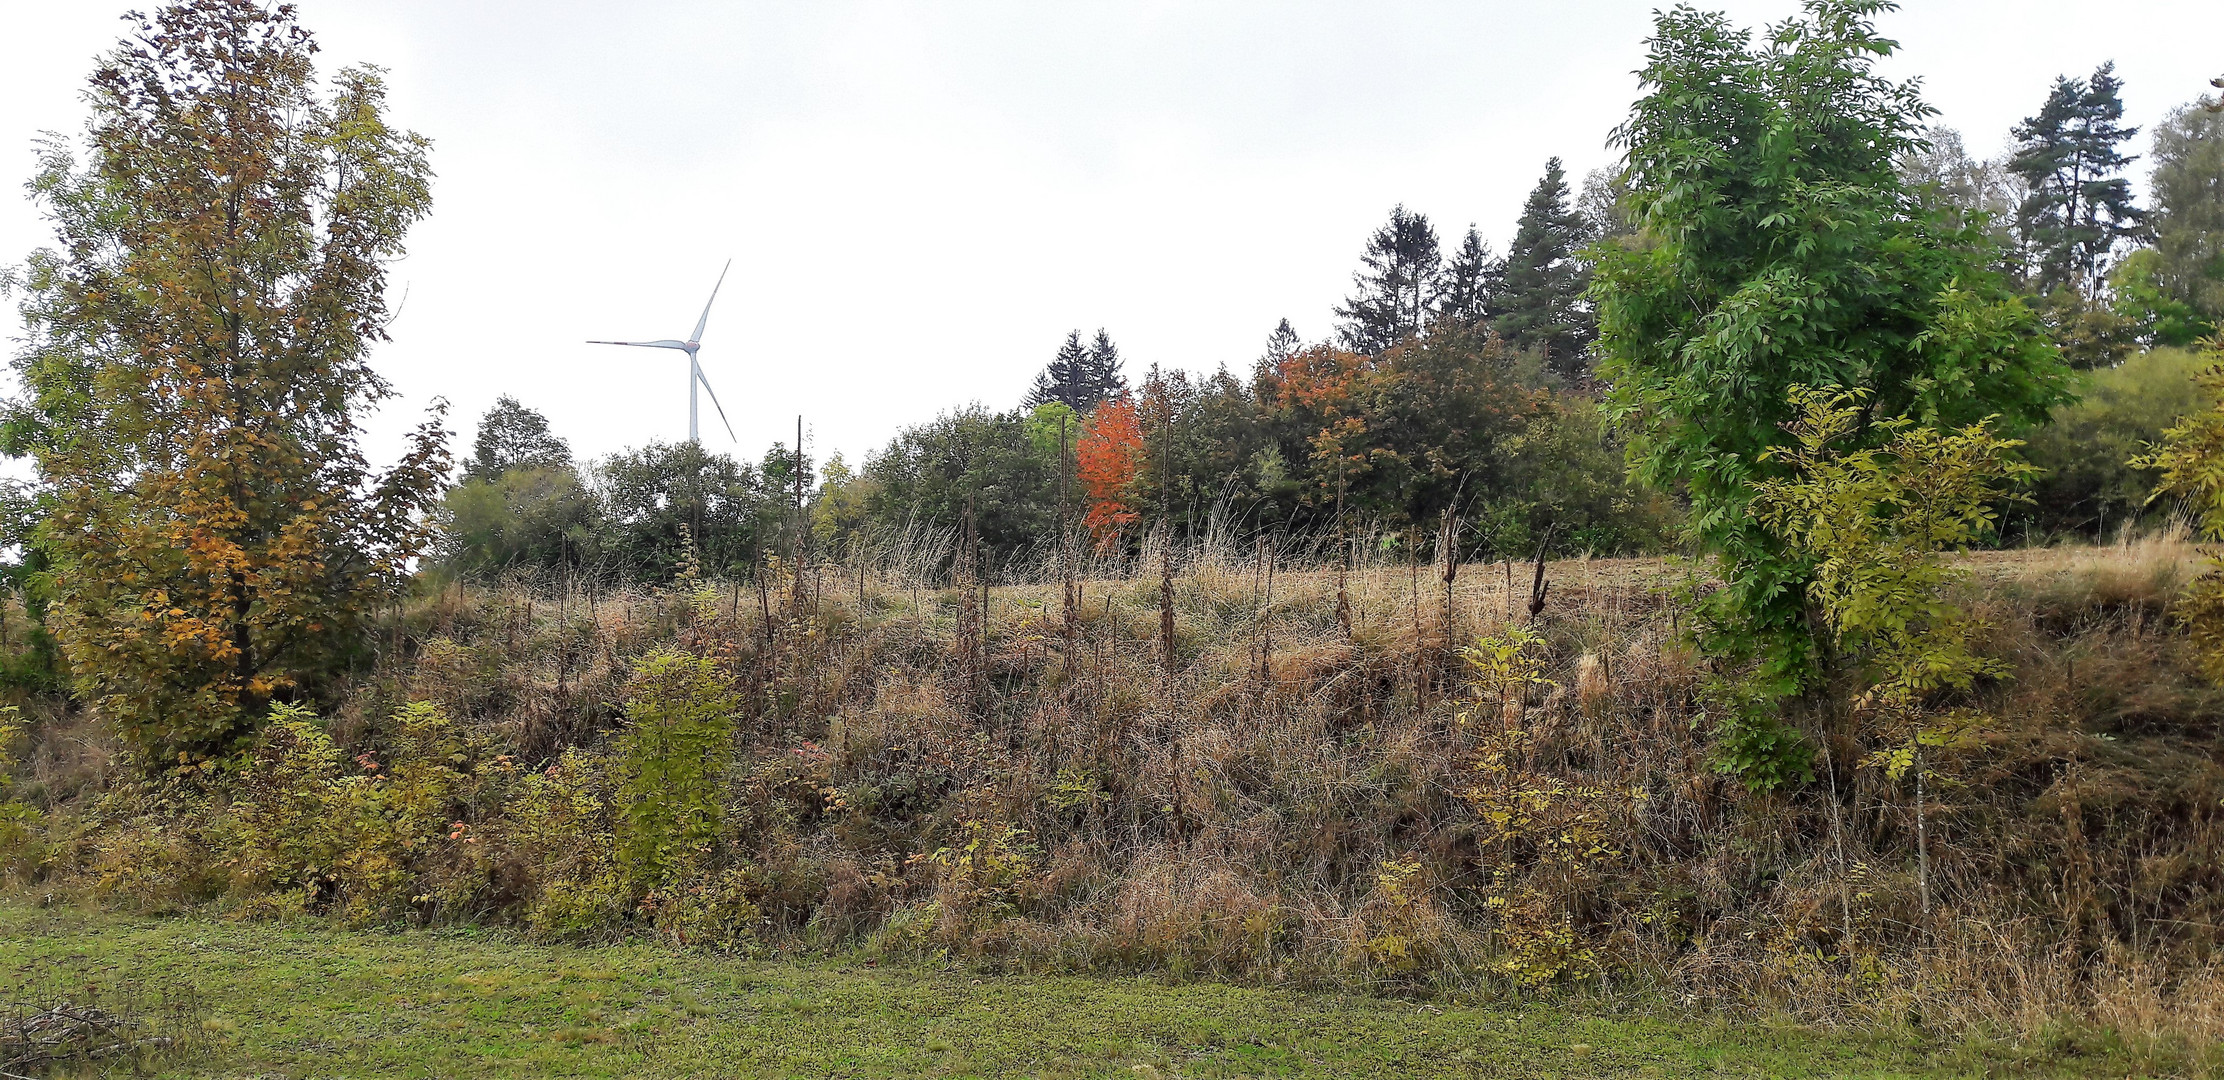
(918, 773)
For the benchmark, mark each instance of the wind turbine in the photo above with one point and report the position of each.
(694, 370)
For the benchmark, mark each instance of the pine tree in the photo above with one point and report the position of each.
(2079, 205)
(1398, 283)
(1540, 305)
(1081, 375)
(1470, 281)
(512, 436)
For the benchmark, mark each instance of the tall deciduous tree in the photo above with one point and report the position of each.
(1398, 280)
(1966, 190)
(1107, 460)
(2188, 187)
(970, 458)
(1785, 250)
(197, 361)
(1540, 304)
(653, 498)
(1603, 206)
(512, 436)
(2079, 204)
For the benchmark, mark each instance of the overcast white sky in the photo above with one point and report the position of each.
(922, 198)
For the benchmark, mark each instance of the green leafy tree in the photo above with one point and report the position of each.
(2079, 205)
(2091, 332)
(1540, 303)
(1396, 437)
(1200, 437)
(1782, 248)
(1872, 504)
(931, 473)
(1563, 478)
(2148, 307)
(197, 360)
(841, 512)
(2190, 458)
(2188, 217)
(1873, 521)
(32, 660)
(521, 504)
(522, 518)
(512, 436)
(1399, 276)
(655, 497)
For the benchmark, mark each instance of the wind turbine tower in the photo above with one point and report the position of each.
(694, 370)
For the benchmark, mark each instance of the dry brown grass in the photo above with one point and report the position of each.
(1329, 823)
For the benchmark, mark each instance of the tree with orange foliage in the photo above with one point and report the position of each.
(197, 364)
(1107, 459)
(1325, 386)
(1402, 431)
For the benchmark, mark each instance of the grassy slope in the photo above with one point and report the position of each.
(311, 1001)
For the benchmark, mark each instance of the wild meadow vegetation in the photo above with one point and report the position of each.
(1776, 588)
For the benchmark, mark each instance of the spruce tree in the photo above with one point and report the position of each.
(1080, 375)
(1060, 380)
(1281, 343)
(1540, 305)
(1101, 370)
(1398, 282)
(512, 436)
(2079, 204)
(1473, 276)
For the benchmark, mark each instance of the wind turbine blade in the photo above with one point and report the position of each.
(715, 405)
(707, 303)
(667, 343)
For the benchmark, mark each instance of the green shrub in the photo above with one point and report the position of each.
(1873, 521)
(2088, 482)
(20, 847)
(2190, 460)
(1752, 745)
(305, 834)
(559, 829)
(678, 740)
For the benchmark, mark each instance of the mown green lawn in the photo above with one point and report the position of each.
(269, 1000)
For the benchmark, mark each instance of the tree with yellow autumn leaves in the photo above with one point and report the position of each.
(196, 365)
